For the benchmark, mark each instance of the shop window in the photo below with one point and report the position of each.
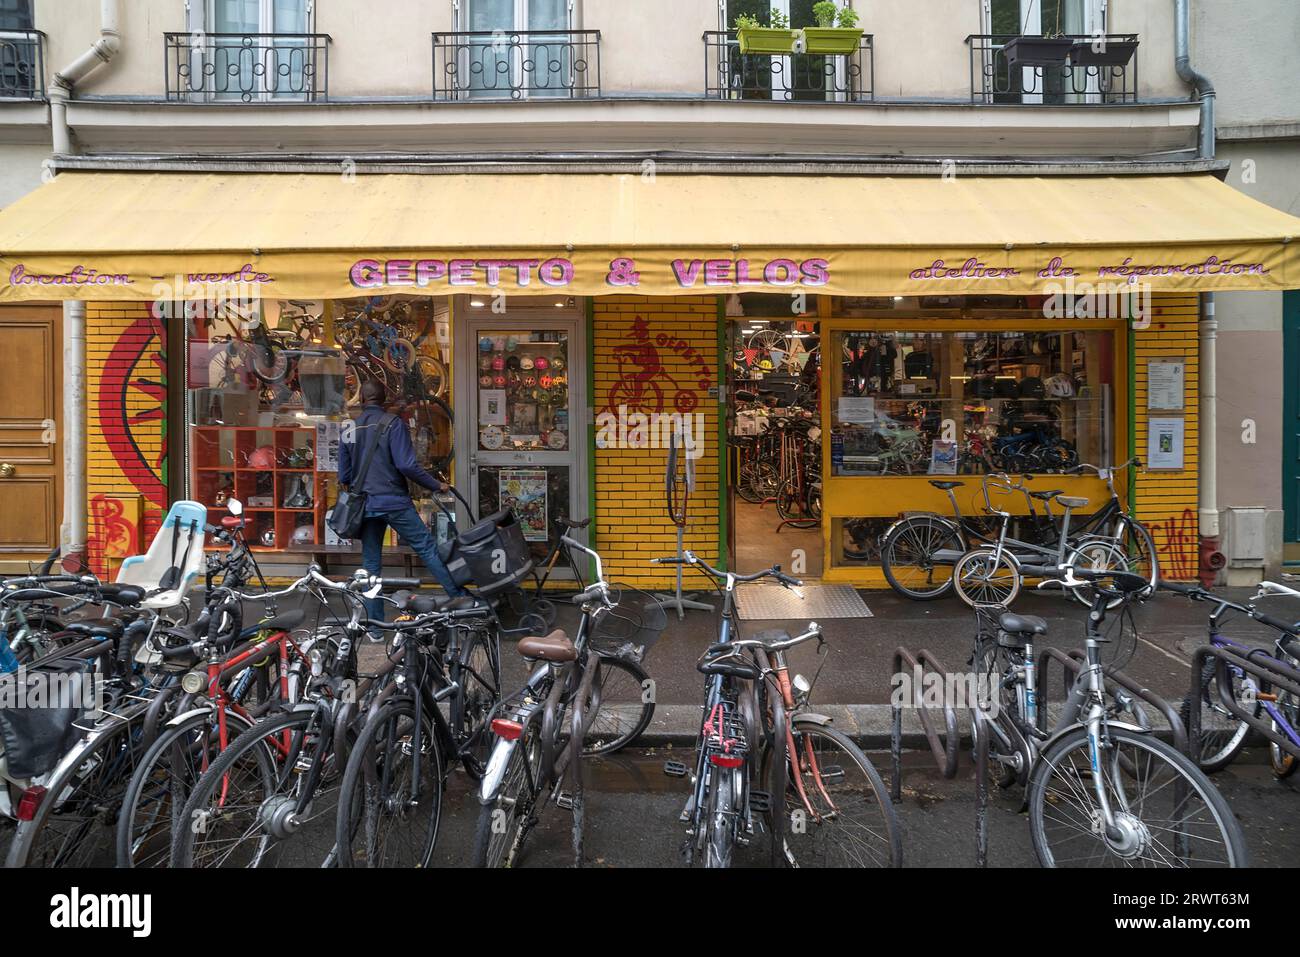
(16, 15)
(966, 402)
(270, 386)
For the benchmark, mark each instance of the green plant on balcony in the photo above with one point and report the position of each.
(777, 38)
(837, 31)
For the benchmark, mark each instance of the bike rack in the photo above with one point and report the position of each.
(945, 753)
(1074, 662)
(1258, 663)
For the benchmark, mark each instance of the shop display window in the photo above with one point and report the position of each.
(271, 386)
(523, 391)
(966, 402)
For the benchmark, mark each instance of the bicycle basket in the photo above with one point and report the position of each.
(630, 629)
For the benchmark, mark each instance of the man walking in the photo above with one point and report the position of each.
(388, 500)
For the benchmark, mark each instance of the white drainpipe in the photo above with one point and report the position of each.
(1208, 478)
(74, 312)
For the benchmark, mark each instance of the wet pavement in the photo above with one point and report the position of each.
(632, 811)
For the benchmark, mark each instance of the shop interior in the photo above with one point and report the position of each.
(919, 387)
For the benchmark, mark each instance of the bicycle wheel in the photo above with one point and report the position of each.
(1097, 555)
(1139, 550)
(983, 578)
(386, 816)
(908, 557)
(1223, 734)
(503, 822)
(434, 375)
(73, 825)
(477, 669)
(837, 808)
(242, 811)
(792, 505)
(626, 707)
(161, 785)
(1166, 811)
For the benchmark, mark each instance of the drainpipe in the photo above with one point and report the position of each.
(1212, 559)
(75, 503)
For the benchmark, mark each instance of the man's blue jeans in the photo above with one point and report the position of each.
(415, 533)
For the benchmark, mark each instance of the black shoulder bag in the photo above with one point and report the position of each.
(350, 509)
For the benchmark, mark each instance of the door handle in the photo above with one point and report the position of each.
(7, 470)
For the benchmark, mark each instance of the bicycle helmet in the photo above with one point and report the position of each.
(1059, 386)
(1032, 388)
(304, 535)
(498, 363)
(485, 344)
(557, 364)
(545, 381)
(541, 364)
(526, 363)
(512, 363)
(485, 381)
(499, 381)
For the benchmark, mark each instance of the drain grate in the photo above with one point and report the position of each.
(774, 603)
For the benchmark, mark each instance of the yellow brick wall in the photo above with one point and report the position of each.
(631, 518)
(1166, 501)
(126, 425)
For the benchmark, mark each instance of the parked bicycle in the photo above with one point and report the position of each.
(1224, 734)
(824, 804)
(1102, 791)
(584, 697)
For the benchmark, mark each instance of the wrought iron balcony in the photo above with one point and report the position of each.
(247, 67)
(22, 64)
(496, 64)
(807, 77)
(1083, 69)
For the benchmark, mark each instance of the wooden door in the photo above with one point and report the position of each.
(31, 422)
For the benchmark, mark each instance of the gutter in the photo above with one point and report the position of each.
(75, 498)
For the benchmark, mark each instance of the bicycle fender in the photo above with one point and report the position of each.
(934, 516)
(183, 716)
(819, 719)
(1057, 735)
(495, 771)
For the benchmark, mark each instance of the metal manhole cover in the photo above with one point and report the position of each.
(775, 603)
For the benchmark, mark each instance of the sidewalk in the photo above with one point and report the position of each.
(853, 685)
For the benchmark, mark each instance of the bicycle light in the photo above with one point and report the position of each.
(29, 802)
(194, 682)
(726, 760)
(802, 686)
(509, 730)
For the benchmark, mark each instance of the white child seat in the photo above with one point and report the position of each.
(171, 566)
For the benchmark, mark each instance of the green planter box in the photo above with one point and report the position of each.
(765, 40)
(833, 40)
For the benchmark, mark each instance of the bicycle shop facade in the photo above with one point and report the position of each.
(577, 322)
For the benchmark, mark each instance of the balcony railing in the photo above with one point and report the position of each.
(806, 77)
(516, 65)
(1098, 70)
(22, 65)
(247, 67)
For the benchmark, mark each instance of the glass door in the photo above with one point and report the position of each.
(522, 58)
(247, 63)
(522, 419)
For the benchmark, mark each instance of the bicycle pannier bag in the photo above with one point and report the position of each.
(35, 738)
(492, 556)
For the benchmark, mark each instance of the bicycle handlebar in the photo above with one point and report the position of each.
(814, 631)
(690, 558)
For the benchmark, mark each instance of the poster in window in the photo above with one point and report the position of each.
(943, 457)
(1165, 385)
(492, 407)
(1165, 444)
(523, 491)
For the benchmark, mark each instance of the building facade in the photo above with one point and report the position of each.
(552, 125)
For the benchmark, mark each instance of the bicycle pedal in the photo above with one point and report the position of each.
(565, 800)
(760, 801)
(675, 769)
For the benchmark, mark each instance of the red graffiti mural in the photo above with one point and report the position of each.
(643, 378)
(114, 534)
(132, 397)
(1178, 546)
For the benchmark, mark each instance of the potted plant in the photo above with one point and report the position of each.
(1037, 51)
(756, 38)
(837, 30)
(1102, 51)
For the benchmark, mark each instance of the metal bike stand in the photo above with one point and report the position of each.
(678, 488)
(1261, 665)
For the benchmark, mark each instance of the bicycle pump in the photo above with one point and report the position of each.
(678, 485)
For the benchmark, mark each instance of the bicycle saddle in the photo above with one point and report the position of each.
(553, 647)
(944, 486)
(1047, 495)
(724, 659)
(1022, 624)
(97, 627)
(575, 523)
(1069, 501)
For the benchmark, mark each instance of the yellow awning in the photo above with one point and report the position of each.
(145, 236)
